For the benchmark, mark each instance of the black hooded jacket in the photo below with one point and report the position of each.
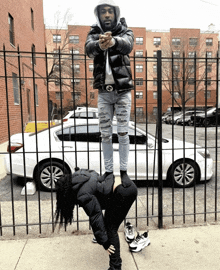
(118, 56)
(93, 196)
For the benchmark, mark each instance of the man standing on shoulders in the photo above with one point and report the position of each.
(109, 43)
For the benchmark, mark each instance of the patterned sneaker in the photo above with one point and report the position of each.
(129, 232)
(140, 242)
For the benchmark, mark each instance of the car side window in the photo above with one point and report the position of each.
(139, 138)
(76, 115)
(83, 115)
(80, 133)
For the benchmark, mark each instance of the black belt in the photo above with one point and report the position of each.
(109, 87)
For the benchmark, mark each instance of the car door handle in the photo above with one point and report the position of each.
(67, 146)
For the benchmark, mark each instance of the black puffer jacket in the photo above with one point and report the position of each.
(93, 195)
(118, 56)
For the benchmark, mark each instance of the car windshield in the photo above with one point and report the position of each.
(211, 109)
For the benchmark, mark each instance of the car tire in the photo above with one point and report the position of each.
(180, 170)
(206, 122)
(43, 174)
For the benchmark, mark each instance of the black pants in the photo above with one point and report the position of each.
(116, 211)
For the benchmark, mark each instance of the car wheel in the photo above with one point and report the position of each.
(183, 174)
(48, 173)
(206, 122)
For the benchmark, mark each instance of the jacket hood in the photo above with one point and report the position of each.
(109, 3)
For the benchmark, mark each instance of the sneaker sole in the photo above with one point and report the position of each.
(138, 249)
(129, 240)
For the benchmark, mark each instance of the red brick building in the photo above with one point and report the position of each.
(180, 42)
(22, 24)
(186, 43)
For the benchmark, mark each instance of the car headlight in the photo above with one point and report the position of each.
(204, 153)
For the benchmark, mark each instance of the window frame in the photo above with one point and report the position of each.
(11, 29)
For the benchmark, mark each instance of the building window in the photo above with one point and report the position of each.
(59, 95)
(157, 41)
(139, 68)
(15, 88)
(57, 38)
(139, 111)
(92, 95)
(91, 67)
(74, 39)
(139, 95)
(209, 68)
(75, 54)
(208, 81)
(155, 54)
(139, 40)
(55, 53)
(32, 19)
(155, 68)
(207, 94)
(176, 68)
(76, 82)
(209, 54)
(191, 69)
(36, 95)
(33, 54)
(76, 95)
(139, 81)
(191, 54)
(209, 42)
(154, 110)
(91, 81)
(176, 54)
(154, 95)
(155, 81)
(176, 81)
(176, 95)
(191, 81)
(176, 41)
(77, 68)
(139, 54)
(191, 94)
(11, 29)
(193, 41)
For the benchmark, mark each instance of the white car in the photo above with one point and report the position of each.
(63, 147)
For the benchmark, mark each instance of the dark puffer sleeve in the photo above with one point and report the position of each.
(87, 199)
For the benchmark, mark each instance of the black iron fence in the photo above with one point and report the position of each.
(174, 137)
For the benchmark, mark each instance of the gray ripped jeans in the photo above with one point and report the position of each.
(120, 104)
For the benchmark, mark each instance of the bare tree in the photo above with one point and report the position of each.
(65, 63)
(187, 69)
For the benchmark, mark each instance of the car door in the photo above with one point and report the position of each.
(81, 146)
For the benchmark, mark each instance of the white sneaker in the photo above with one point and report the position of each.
(129, 232)
(140, 242)
(94, 240)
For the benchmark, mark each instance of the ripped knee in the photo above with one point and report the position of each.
(122, 133)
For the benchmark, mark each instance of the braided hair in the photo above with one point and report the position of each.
(66, 200)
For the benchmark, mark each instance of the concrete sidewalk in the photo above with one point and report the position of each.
(182, 248)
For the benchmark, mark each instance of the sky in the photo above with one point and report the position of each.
(153, 14)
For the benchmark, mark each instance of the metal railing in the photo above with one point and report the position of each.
(36, 85)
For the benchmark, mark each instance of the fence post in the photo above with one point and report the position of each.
(159, 128)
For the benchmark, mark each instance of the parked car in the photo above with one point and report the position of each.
(207, 118)
(171, 119)
(185, 118)
(82, 113)
(60, 150)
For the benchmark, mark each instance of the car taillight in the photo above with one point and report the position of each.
(66, 119)
(15, 147)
